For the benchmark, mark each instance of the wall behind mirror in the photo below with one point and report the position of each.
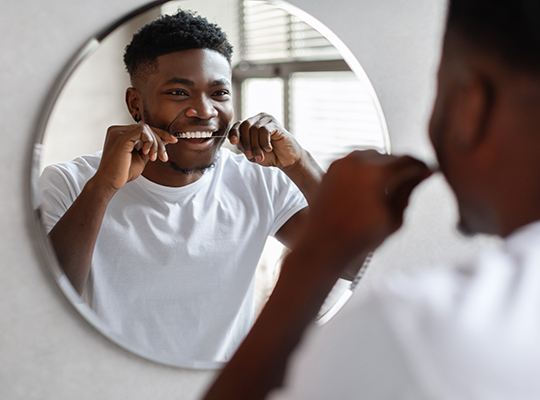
(281, 65)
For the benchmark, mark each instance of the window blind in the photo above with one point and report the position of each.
(272, 34)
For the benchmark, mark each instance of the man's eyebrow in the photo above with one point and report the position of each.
(189, 82)
(221, 82)
(182, 81)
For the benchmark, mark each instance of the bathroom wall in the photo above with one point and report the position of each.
(47, 351)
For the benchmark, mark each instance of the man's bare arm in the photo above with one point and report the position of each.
(306, 175)
(74, 235)
(361, 202)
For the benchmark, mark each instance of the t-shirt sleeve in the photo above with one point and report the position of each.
(287, 200)
(56, 195)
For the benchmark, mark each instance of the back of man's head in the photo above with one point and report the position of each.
(507, 29)
(170, 33)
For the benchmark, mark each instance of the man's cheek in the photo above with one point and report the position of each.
(437, 124)
(227, 114)
(156, 122)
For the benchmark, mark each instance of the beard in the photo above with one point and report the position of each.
(188, 161)
(190, 171)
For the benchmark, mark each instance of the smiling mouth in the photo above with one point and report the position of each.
(194, 135)
(202, 136)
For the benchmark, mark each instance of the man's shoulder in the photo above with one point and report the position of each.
(441, 330)
(80, 169)
(432, 306)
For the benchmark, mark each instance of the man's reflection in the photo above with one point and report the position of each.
(163, 229)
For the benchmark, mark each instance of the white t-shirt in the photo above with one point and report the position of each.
(173, 267)
(471, 332)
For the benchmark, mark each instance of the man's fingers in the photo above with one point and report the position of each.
(265, 139)
(253, 136)
(258, 153)
(262, 120)
(165, 136)
(398, 191)
(147, 137)
(154, 141)
(162, 151)
(129, 137)
(245, 138)
(138, 145)
(155, 148)
(151, 145)
(408, 161)
(409, 173)
(233, 134)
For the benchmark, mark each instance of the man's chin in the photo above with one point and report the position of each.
(188, 170)
(193, 159)
(194, 162)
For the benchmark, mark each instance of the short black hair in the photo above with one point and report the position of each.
(184, 30)
(508, 29)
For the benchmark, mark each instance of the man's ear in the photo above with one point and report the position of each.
(134, 103)
(473, 110)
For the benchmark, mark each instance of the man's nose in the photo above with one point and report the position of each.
(202, 108)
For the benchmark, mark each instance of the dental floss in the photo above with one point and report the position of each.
(361, 271)
(210, 137)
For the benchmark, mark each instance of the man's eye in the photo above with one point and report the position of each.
(178, 92)
(222, 93)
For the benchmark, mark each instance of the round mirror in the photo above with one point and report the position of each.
(173, 257)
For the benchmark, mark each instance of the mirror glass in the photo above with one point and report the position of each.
(165, 281)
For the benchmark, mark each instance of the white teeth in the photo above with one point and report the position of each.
(193, 135)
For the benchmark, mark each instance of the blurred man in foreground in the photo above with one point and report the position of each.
(467, 333)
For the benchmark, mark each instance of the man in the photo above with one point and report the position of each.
(162, 231)
(465, 333)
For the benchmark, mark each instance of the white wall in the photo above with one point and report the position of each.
(47, 350)
(93, 99)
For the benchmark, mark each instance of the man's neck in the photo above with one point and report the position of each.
(167, 175)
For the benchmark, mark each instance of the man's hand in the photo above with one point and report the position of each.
(264, 141)
(362, 200)
(126, 151)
